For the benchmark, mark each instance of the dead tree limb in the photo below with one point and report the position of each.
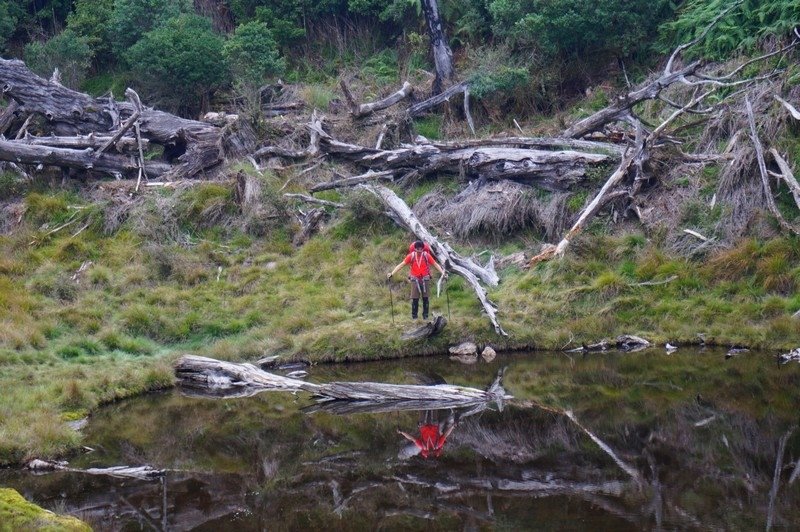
(472, 272)
(310, 199)
(787, 175)
(776, 477)
(789, 107)
(426, 105)
(309, 223)
(353, 181)
(122, 130)
(550, 251)
(366, 108)
(762, 169)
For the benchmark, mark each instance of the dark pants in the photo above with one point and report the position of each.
(419, 287)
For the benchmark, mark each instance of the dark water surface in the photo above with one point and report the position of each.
(699, 433)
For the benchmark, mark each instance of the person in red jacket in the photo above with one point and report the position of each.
(420, 262)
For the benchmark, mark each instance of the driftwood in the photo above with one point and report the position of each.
(472, 272)
(136, 472)
(7, 116)
(366, 108)
(190, 147)
(625, 342)
(789, 107)
(242, 380)
(431, 328)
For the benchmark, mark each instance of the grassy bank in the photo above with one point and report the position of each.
(90, 314)
(18, 514)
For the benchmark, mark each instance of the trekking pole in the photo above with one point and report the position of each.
(391, 298)
(447, 297)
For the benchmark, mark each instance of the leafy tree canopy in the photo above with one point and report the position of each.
(131, 19)
(252, 54)
(180, 61)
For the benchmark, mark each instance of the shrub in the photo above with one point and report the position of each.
(252, 54)
(740, 29)
(8, 21)
(130, 20)
(180, 63)
(91, 19)
(67, 51)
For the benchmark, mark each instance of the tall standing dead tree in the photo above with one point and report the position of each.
(442, 55)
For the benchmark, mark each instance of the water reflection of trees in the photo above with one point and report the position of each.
(264, 464)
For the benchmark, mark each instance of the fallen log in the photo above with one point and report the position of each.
(554, 170)
(190, 147)
(366, 108)
(472, 272)
(82, 142)
(20, 151)
(215, 376)
(136, 472)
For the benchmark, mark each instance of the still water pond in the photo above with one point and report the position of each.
(699, 435)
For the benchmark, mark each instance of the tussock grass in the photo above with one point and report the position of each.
(206, 283)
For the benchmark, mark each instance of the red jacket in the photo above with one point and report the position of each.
(420, 262)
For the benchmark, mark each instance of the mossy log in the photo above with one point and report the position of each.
(190, 147)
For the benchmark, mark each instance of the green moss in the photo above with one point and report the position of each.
(18, 514)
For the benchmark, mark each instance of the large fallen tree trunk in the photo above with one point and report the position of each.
(246, 379)
(190, 147)
(23, 152)
(555, 170)
(472, 272)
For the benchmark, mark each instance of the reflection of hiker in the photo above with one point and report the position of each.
(420, 261)
(431, 438)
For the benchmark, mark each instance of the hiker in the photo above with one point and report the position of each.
(420, 261)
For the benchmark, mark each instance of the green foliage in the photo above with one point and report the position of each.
(132, 19)
(429, 127)
(180, 62)
(580, 27)
(741, 29)
(10, 185)
(67, 51)
(252, 54)
(18, 514)
(381, 67)
(91, 20)
(9, 16)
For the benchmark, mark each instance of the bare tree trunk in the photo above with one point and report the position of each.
(442, 55)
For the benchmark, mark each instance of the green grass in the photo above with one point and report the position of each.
(70, 342)
(18, 514)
